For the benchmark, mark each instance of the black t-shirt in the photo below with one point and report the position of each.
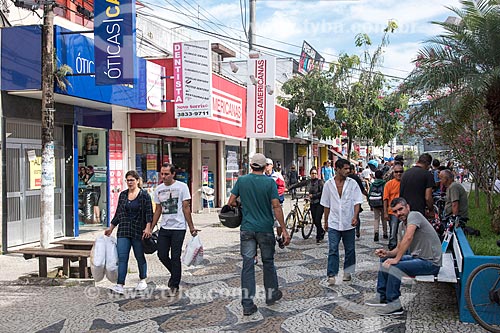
(358, 180)
(360, 184)
(413, 185)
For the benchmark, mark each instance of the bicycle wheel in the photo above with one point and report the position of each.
(482, 295)
(307, 225)
(290, 223)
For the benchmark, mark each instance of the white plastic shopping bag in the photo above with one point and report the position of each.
(98, 259)
(193, 253)
(111, 259)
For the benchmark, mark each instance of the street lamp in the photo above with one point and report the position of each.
(311, 114)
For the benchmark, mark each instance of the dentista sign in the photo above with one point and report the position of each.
(114, 47)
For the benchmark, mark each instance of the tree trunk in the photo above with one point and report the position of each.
(48, 165)
(476, 194)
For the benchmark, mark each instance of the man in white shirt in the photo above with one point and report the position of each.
(173, 212)
(367, 177)
(342, 200)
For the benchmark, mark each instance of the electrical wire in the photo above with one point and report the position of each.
(268, 38)
(270, 50)
(244, 18)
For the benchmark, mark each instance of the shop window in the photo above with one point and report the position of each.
(92, 177)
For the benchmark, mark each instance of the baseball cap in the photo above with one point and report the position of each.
(258, 160)
(269, 161)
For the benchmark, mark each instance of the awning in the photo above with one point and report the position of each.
(339, 155)
(336, 153)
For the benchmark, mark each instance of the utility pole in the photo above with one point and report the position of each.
(251, 28)
(48, 109)
(251, 142)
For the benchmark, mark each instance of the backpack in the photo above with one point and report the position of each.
(376, 196)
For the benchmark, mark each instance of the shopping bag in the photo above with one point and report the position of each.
(111, 259)
(193, 253)
(98, 259)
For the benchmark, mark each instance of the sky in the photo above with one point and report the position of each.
(330, 26)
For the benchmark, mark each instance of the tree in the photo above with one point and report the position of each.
(363, 107)
(460, 68)
(312, 90)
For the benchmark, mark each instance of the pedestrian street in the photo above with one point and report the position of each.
(210, 296)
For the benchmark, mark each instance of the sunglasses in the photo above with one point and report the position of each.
(131, 180)
(398, 171)
(314, 173)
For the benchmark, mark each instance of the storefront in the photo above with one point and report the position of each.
(151, 151)
(92, 177)
(197, 146)
(235, 165)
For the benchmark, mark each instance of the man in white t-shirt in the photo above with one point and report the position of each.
(173, 212)
(367, 177)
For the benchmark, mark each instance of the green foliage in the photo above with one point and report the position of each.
(363, 105)
(480, 219)
(60, 76)
(457, 77)
(310, 91)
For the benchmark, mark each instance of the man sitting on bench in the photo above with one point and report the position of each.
(416, 237)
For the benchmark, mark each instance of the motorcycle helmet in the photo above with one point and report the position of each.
(230, 216)
(150, 244)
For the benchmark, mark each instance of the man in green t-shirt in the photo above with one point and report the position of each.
(456, 202)
(259, 198)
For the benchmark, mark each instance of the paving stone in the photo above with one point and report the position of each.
(210, 297)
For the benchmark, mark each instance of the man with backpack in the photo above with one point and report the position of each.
(376, 202)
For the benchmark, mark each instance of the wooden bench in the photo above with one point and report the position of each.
(452, 264)
(57, 252)
(75, 244)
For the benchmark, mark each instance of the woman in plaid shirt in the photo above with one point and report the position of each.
(134, 214)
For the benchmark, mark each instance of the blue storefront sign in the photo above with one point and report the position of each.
(21, 61)
(114, 33)
(21, 67)
(77, 51)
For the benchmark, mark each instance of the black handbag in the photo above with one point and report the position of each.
(150, 244)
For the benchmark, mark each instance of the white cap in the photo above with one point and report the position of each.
(269, 161)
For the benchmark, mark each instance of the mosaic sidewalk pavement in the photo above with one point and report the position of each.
(209, 301)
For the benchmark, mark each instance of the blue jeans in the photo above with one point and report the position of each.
(123, 246)
(389, 280)
(334, 237)
(393, 233)
(248, 248)
(169, 251)
(317, 214)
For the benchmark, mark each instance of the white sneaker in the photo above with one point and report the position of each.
(118, 288)
(142, 285)
(347, 277)
(331, 280)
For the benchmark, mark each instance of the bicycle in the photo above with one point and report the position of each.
(298, 218)
(482, 295)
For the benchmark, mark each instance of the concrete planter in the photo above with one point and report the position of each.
(470, 262)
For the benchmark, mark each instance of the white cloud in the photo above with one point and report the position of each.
(330, 26)
(397, 59)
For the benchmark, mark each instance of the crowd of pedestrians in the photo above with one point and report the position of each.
(401, 202)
